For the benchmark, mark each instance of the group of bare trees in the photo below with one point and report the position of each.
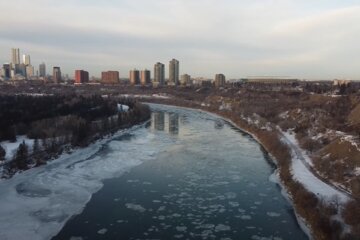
(74, 124)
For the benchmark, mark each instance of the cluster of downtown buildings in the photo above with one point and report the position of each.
(21, 70)
(17, 70)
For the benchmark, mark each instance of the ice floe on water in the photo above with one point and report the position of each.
(222, 227)
(135, 207)
(256, 237)
(102, 231)
(245, 217)
(76, 238)
(234, 204)
(273, 214)
(181, 228)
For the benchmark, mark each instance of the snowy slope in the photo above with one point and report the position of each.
(300, 167)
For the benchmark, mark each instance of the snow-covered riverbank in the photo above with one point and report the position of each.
(38, 202)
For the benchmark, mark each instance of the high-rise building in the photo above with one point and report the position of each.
(145, 77)
(29, 71)
(7, 71)
(220, 80)
(185, 80)
(81, 76)
(159, 74)
(42, 70)
(110, 77)
(26, 59)
(15, 56)
(173, 72)
(134, 77)
(20, 69)
(56, 75)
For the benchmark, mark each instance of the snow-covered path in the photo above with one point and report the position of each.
(303, 172)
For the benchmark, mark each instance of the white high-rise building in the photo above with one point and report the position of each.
(26, 59)
(29, 71)
(15, 56)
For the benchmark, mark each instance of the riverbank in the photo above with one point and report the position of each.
(315, 215)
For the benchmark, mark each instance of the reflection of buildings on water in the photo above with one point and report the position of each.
(219, 124)
(158, 121)
(168, 122)
(174, 123)
(184, 119)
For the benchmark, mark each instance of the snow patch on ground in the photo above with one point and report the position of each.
(349, 138)
(357, 171)
(11, 147)
(158, 95)
(122, 108)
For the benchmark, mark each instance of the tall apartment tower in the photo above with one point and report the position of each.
(56, 75)
(159, 74)
(134, 77)
(220, 80)
(42, 70)
(145, 77)
(173, 72)
(15, 56)
(7, 71)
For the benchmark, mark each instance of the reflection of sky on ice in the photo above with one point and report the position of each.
(205, 181)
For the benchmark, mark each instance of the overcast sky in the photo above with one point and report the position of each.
(314, 39)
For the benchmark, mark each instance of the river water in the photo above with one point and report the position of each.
(196, 177)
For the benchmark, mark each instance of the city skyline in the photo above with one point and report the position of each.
(240, 38)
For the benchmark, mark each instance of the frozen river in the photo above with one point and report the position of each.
(185, 175)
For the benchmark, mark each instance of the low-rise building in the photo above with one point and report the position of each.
(110, 77)
(81, 76)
